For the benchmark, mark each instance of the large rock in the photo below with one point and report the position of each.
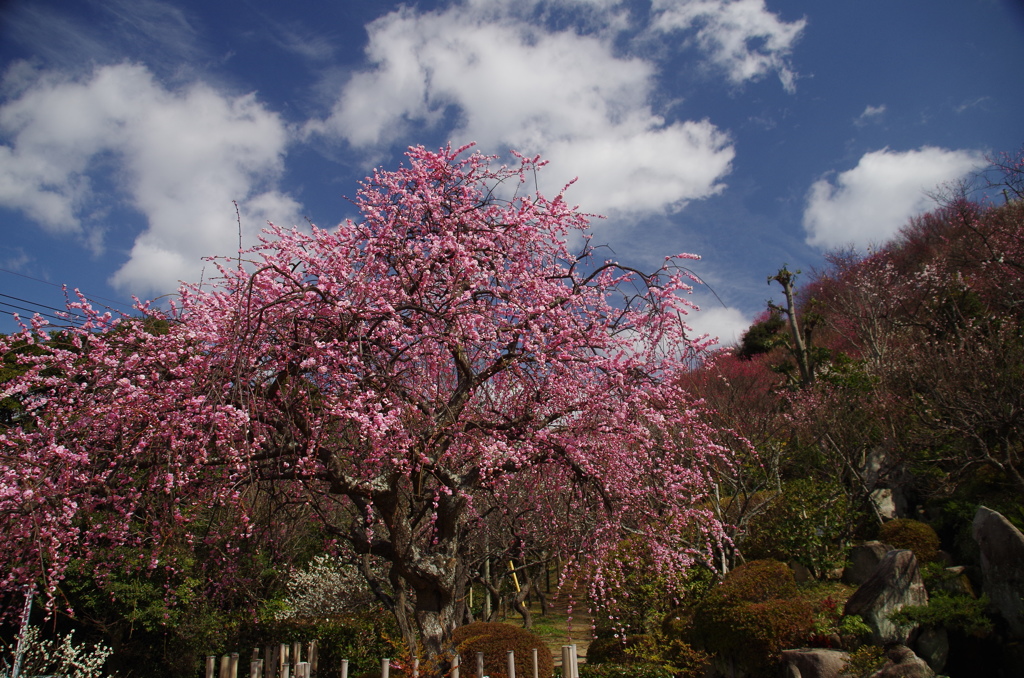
(864, 560)
(895, 584)
(903, 663)
(932, 645)
(1002, 565)
(813, 663)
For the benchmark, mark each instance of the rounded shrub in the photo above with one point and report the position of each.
(906, 533)
(752, 616)
(495, 640)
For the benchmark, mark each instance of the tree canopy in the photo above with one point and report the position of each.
(445, 355)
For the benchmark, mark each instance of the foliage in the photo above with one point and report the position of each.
(752, 615)
(325, 587)
(61, 656)
(906, 533)
(963, 613)
(806, 523)
(395, 377)
(495, 640)
(864, 662)
(636, 670)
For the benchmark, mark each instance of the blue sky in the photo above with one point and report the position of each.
(755, 133)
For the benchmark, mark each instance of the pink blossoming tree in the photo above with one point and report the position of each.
(445, 352)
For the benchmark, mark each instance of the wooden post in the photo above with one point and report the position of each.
(479, 665)
(224, 666)
(296, 652)
(574, 661)
(511, 664)
(282, 660)
(535, 670)
(344, 668)
(256, 668)
(314, 657)
(301, 669)
(416, 668)
(566, 663)
(268, 662)
(233, 665)
(455, 667)
(385, 667)
(211, 666)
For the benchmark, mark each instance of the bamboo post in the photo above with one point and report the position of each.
(455, 666)
(224, 666)
(479, 665)
(385, 667)
(211, 665)
(314, 657)
(344, 668)
(256, 668)
(511, 664)
(535, 669)
(296, 652)
(282, 660)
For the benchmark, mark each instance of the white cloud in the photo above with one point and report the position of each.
(726, 323)
(740, 36)
(180, 158)
(871, 202)
(507, 84)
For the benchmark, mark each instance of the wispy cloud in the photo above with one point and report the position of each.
(146, 30)
(871, 114)
(741, 37)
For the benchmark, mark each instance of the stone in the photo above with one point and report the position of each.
(895, 584)
(903, 663)
(814, 663)
(864, 560)
(955, 582)
(932, 645)
(885, 503)
(1002, 565)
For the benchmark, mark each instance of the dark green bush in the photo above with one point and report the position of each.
(495, 640)
(751, 616)
(642, 670)
(906, 533)
(950, 612)
(807, 523)
(613, 650)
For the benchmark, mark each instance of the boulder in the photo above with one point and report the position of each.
(932, 645)
(864, 560)
(885, 503)
(813, 663)
(903, 663)
(895, 584)
(1002, 565)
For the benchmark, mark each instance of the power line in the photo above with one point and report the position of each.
(62, 287)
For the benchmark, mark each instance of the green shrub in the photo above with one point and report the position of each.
(950, 612)
(806, 524)
(589, 670)
(495, 640)
(752, 615)
(863, 662)
(613, 650)
(906, 533)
